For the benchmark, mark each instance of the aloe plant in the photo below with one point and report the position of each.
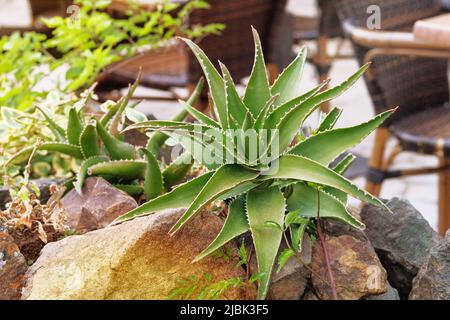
(98, 144)
(264, 196)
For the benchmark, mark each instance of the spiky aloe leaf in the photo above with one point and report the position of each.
(215, 82)
(305, 169)
(153, 182)
(106, 118)
(117, 149)
(262, 116)
(81, 176)
(235, 106)
(114, 127)
(74, 127)
(180, 197)
(121, 169)
(264, 206)
(224, 179)
(177, 170)
(200, 116)
(324, 147)
(274, 117)
(304, 199)
(133, 190)
(288, 83)
(64, 148)
(157, 139)
(341, 168)
(330, 120)
(239, 190)
(235, 225)
(56, 129)
(89, 140)
(258, 90)
(344, 164)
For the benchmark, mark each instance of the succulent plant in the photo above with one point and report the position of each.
(265, 198)
(97, 142)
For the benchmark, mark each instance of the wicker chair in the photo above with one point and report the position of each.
(408, 74)
(40, 9)
(176, 66)
(320, 30)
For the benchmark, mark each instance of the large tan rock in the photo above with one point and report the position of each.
(356, 269)
(97, 207)
(134, 260)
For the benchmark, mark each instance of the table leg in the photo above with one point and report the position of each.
(444, 198)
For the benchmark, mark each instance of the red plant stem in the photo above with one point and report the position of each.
(332, 283)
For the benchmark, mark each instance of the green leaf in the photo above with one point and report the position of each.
(133, 190)
(291, 123)
(117, 149)
(157, 139)
(74, 127)
(64, 148)
(215, 82)
(153, 182)
(82, 173)
(235, 106)
(200, 116)
(284, 257)
(304, 199)
(177, 170)
(297, 232)
(121, 169)
(180, 197)
(57, 130)
(304, 169)
(258, 90)
(288, 83)
(262, 206)
(89, 140)
(330, 120)
(326, 146)
(235, 225)
(340, 168)
(279, 112)
(224, 179)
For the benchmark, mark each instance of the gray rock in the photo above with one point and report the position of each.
(391, 294)
(97, 207)
(290, 283)
(433, 279)
(12, 267)
(401, 239)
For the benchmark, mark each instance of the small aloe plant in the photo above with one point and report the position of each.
(98, 144)
(261, 196)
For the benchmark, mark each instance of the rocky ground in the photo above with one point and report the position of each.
(398, 256)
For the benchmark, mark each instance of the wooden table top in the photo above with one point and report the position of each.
(435, 30)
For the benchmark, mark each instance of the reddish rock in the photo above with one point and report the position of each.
(99, 205)
(356, 269)
(12, 268)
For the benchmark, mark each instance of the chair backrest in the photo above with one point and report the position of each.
(410, 83)
(39, 7)
(234, 47)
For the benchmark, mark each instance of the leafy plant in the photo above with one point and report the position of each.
(81, 49)
(97, 143)
(277, 185)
